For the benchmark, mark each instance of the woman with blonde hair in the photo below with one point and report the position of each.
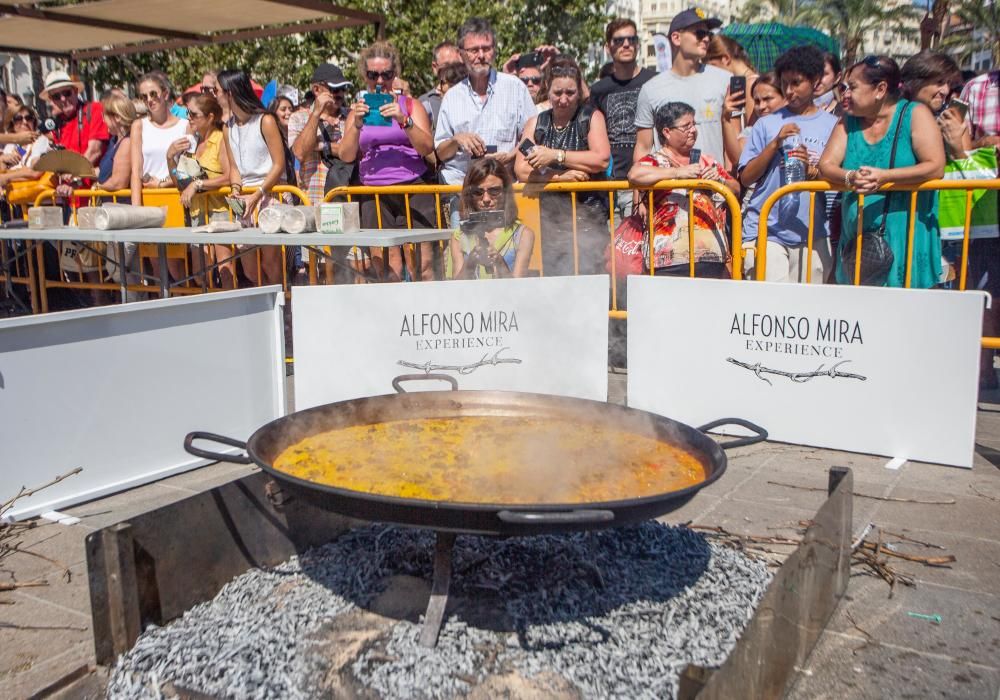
(115, 168)
(390, 145)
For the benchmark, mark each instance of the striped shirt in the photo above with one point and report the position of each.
(498, 121)
(983, 97)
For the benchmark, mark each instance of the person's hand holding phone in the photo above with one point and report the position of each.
(736, 98)
(542, 157)
(471, 144)
(392, 110)
(359, 110)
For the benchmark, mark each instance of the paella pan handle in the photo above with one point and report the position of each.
(567, 517)
(396, 383)
(761, 435)
(217, 456)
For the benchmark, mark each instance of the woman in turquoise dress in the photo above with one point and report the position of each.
(858, 156)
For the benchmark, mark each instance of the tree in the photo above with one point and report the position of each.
(851, 20)
(413, 27)
(980, 30)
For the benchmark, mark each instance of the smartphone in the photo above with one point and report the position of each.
(526, 147)
(737, 83)
(695, 157)
(491, 149)
(375, 100)
(961, 108)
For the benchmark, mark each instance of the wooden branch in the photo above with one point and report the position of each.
(949, 502)
(929, 561)
(27, 584)
(25, 492)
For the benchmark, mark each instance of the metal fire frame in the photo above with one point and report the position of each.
(140, 574)
(793, 612)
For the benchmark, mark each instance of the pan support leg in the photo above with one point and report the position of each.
(439, 589)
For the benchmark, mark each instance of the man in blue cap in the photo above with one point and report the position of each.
(689, 80)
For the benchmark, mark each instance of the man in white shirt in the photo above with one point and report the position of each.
(689, 80)
(484, 115)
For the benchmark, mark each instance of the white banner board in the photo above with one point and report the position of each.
(542, 335)
(115, 389)
(889, 372)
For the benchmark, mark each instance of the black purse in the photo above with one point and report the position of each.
(877, 257)
(338, 173)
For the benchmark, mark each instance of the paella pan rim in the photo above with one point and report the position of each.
(709, 452)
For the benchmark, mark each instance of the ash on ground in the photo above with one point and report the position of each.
(611, 613)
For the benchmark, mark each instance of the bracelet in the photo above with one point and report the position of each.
(235, 188)
(848, 176)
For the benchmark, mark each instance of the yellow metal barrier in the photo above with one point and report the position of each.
(812, 187)
(527, 201)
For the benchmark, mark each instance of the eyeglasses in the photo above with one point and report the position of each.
(684, 127)
(209, 90)
(493, 192)
(700, 34)
(532, 80)
(194, 115)
(619, 41)
(62, 95)
(385, 74)
(23, 118)
(149, 96)
(872, 61)
(478, 49)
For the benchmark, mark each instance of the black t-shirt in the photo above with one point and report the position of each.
(617, 99)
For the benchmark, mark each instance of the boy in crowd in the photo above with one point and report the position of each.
(799, 71)
(616, 96)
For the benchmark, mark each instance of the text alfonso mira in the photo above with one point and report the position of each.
(457, 330)
(795, 335)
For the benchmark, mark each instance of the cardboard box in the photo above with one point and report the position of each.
(339, 217)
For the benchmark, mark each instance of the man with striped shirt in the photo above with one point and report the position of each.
(484, 115)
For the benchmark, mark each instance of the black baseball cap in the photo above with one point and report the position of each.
(330, 75)
(691, 17)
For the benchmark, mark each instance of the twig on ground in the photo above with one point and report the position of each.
(928, 561)
(905, 538)
(949, 502)
(983, 495)
(26, 584)
(869, 639)
(25, 492)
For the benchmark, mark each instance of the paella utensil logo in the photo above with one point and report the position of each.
(486, 361)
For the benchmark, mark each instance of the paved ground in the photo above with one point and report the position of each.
(45, 632)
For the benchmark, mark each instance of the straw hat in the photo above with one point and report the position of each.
(59, 79)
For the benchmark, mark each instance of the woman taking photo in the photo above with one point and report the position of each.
(256, 151)
(860, 156)
(205, 116)
(390, 148)
(570, 145)
(19, 160)
(674, 122)
(504, 251)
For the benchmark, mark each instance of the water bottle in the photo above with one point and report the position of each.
(795, 169)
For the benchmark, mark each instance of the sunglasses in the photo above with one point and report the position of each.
(872, 61)
(385, 75)
(493, 192)
(23, 118)
(62, 94)
(618, 41)
(532, 80)
(194, 115)
(206, 90)
(149, 96)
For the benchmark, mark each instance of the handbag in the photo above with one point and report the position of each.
(628, 241)
(877, 257)
(338, 173)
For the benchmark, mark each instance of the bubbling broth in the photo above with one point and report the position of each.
(502, 460)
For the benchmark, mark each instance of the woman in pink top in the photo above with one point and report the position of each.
(390, 148)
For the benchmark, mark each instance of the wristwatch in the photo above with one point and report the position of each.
(408, 123)
(560, 156)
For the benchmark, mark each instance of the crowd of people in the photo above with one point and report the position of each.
(534, 119)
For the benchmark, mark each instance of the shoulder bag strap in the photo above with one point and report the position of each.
(892, 163)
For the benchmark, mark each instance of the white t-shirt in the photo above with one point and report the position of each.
(704, 91)
(31, 154)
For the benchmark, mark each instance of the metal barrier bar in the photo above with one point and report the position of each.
(969, 186)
